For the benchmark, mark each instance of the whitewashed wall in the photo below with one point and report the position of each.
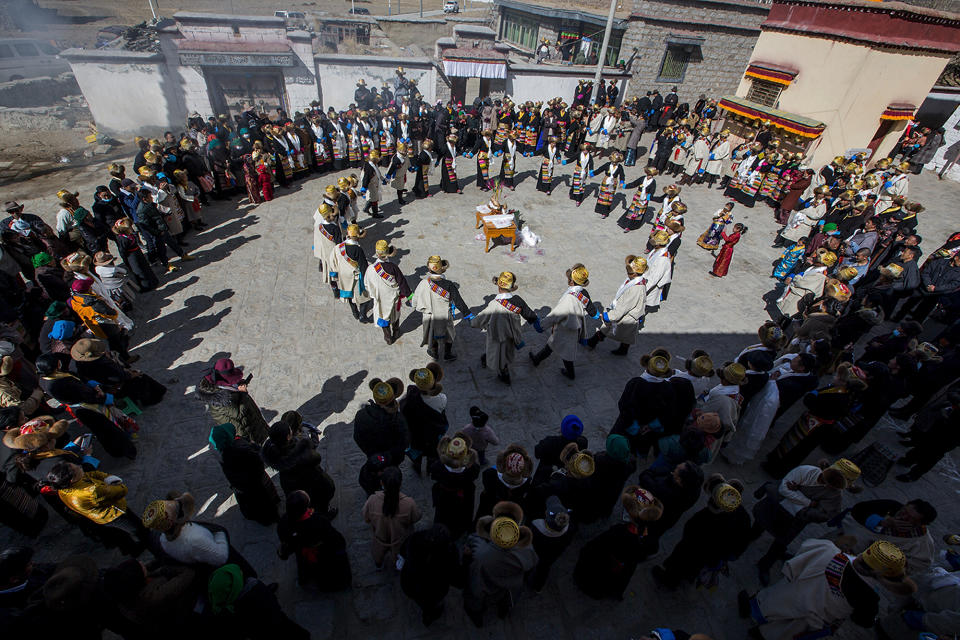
(128, 91)
(541, 82)
(338, 75)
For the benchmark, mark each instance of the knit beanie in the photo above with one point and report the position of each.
(571, 427)
(618, 447)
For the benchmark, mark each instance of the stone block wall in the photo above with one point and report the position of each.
(729, 29)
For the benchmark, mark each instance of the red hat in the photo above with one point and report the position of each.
(81, 285)
(225, 370)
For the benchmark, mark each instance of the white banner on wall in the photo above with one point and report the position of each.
(474, 69)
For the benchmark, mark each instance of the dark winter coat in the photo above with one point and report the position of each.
(235, 407)
(298, 464)
(376, 430)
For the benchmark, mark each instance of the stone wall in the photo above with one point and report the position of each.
(729, 29)
(38, 92)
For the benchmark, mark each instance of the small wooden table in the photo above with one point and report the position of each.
(490, 231)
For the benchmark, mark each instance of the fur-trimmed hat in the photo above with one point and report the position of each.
(386, 391)
(457, 451)
(503, 527)
(771, 335)
(700, 364)
(427, 379)
(725, 495)
(506, 280)
(34, 433)
(657, 363)
(514, 464)
(640, 505)
(579, 464)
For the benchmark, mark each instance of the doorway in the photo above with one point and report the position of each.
(231, 91)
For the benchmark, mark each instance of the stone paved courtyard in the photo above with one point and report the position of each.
(254, 294)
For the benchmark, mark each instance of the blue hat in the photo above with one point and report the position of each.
(62, 329)
(571, 427)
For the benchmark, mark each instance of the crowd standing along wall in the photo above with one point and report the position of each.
(338, 75)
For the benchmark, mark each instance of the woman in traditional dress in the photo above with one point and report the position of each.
(508, 165)
(633, 217)
(711, 238)
(745, 185)
(448, 176)
(740, 153)
(484, 182)
(388, 134)
(581, 171)
(264, 166)
(531, 131)
(545, 179)
(338, 146)
(776, 163)
(321, 152)
(789, 259)
(504, 124)
(573, 136)
(424, 165)
(722, 264)
(612, 178)
(250, 179)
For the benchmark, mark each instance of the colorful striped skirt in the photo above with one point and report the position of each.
(638, 206)
(501, 133)
(386, 148)
(285, 166)
(352, 154)
(546, 171)
(448, 166)
(576, 186)
(605, 196)
(531, 137)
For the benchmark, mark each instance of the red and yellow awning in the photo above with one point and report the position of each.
(771, 73)
(898, 112)
(791, 123)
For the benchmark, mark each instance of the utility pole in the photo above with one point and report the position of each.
(421, 8)
(150, 2)
(388, 8)
(603, 47)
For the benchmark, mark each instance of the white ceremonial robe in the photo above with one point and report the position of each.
(567, 324)
(384, 289)
(626, 310)
(502, 327)
(721, 155)
(437, 313)
(658, 274)
(810, 281)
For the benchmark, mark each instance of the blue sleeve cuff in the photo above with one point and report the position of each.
(108, 400)
(606, 318)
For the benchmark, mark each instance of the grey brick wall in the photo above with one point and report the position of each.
(715, 68)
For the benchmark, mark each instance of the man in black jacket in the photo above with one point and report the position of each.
(379, 427)
(151, 220)
(939, 277)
